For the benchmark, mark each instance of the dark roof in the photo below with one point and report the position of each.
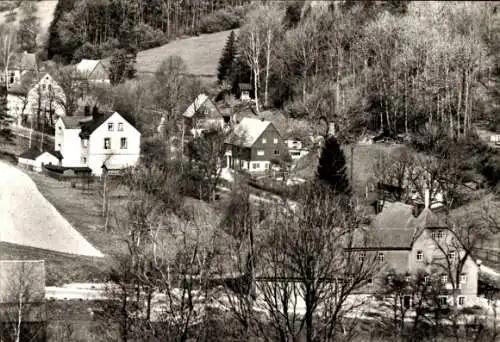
(73, 122)
(33, 153)
(427, 219)
(61, 169)
(384, 238)
(91, 126)
(245, 86)
(393, 215)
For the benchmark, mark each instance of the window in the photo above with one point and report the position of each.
(84, 160)
(43, 86)
(444, 279)
(110, 127)
(440, 234)
(370, 281)
(276, 153)
(255, 166)
(443, 300)
(120, 127)
(50, 87)
(420, 256)
(275, 141)
(85, 142)
(107, 143)
(407, 278)
(451, 255)
(295, 154)
(260, 152)
(434, 235)
(461, 300)
(463, 279)
(264, 140)
(381, 256)
(123, 143)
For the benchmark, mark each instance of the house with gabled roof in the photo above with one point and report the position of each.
(103, 142)
(93, 71)
(34, 159)
(19, 64)
(409, 245)
(253, 145)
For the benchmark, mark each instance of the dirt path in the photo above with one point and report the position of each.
(27, 218)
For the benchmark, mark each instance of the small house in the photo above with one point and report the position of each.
(253, 145)
(34, 159)
(93, 71)
(19, 64)
(245, 89)
(103, 141)
(201, 114)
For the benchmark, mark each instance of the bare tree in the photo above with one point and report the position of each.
(8, 47)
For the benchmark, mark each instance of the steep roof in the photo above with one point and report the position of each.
(248, 131)
(90, 126)
(74, 122)
(393, 215)
(384, 238)
(34, 153)
(426, 220)
(195, 106)
(86, 66)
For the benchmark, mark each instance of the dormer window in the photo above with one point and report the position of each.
(420, 256)
(110, 127)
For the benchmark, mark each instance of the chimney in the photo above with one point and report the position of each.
(427, 198)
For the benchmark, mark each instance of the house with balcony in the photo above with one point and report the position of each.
(407, 244)
(103, 142)
(253, 145)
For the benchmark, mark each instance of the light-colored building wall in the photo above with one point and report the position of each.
(70, 147)
(128, 156)
(36, 164)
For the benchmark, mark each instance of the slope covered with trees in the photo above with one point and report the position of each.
(94, 28)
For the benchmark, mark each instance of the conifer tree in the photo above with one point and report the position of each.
(332, 167)
(5, 118)
(227, 59)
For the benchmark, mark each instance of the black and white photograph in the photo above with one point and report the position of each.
(249, 171)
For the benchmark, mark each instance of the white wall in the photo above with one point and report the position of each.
(51, 96)
(71, 147)
(43, 159)
(97, 155)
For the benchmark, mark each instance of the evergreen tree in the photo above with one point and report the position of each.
(5, 119)
(332, 167)
(226, 61)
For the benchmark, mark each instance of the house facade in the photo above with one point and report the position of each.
(202, 114)
(93, 71)
(411, 245)
(105, 141)
(29, 95)
(296, 149)
(245, 89)
(254, 143)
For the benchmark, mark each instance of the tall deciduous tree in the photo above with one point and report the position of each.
(332, 169)
(122, 66)
(5, 119)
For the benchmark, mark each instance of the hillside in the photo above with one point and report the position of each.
(201, 54)
(45, 14)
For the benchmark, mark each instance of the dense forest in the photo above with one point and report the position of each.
(393, 66)
(95, 28)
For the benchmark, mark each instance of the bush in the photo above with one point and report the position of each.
(148, 37)
(222, 20)
(88, 51)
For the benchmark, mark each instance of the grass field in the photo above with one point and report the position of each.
(45, 14)
(365, 157)
(201, 54)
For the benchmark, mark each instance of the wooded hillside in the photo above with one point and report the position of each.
(94, 28)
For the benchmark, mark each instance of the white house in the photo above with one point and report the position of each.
(93, 70)
(19, 64)
(105, 141)
(30, 94)
(34, 159)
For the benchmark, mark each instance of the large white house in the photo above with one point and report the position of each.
(105, 141)
(30, 94)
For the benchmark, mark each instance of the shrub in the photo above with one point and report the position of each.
(148, 37)
(88, 51)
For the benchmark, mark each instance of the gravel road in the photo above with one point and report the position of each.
(27, 218)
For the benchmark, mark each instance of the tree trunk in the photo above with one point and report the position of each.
(268, 60)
